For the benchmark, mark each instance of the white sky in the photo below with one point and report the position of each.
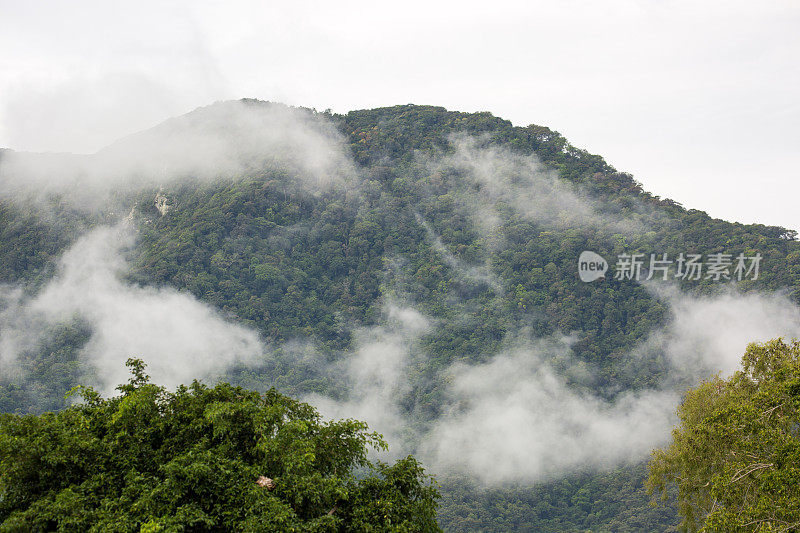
(698, 99)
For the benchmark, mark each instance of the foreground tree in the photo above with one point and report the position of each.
(735, 457)
(201, 459)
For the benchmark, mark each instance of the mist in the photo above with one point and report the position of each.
(376, 375)
(707, 334)
(496, 178)
(220, 142)
(179, 337)
(517, 417)
(514, 419)
(523, 417)
(478, 273)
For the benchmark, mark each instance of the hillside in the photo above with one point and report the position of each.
(412, 266)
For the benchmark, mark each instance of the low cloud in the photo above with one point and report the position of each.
(223, 141)
(376, 375)
(179, 337)
(497, 176)
(709, 333)
(530, 413)
(514, 419)
(525, 415)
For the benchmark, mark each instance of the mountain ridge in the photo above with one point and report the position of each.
(403, 207)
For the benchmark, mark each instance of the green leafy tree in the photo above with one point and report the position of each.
(735, 457)
(202, 459)
(318, 264)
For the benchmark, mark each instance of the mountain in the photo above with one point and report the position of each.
(411, 266)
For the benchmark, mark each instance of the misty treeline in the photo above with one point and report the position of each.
(399, 265)
(202, 459)
(149, 459)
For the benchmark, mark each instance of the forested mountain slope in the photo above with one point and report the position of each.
(474, 223)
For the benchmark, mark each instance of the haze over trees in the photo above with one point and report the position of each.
(419, 255)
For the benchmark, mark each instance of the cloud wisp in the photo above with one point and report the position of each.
(496, 177)
(480, 274)
(514, 419)
(709, 333)
(223, 141)
(376, 375)
(517, 419)
(179, 337)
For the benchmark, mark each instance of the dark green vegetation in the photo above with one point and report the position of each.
(152, 460)
(317, 264)
(735, 458)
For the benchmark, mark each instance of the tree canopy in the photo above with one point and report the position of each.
(202, 459)
(735, 457)
(293, 262)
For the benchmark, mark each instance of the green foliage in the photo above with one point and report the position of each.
(55, 366)
(609, 501)
(735, 458)
(29, 244)
(317, 265)
(153, 460)
(294, 263)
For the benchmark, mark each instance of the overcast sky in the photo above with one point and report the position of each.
(697, 99)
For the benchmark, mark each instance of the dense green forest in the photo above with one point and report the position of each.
(153, 460)
(298, 262)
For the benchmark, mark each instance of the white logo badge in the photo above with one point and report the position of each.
(591, 266)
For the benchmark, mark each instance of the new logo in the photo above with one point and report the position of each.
(591, 266)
